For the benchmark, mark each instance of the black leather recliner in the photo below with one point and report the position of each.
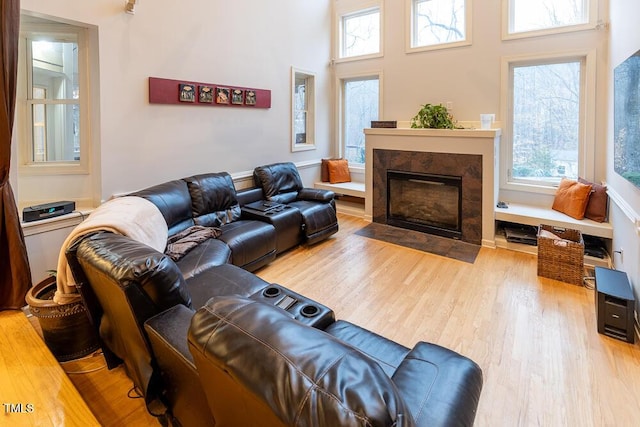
(211, 200)
(258, 366)
(247, 353)
(124, 283)
(281, 183)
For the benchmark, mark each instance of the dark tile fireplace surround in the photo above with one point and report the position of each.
(468, 167)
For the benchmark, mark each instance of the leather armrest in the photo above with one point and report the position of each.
(440, 386)
(316, 194)
(249, 195)
(168, 330)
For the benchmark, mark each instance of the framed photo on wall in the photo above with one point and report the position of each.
(187, 93)
(222, 95)
(237, 96)
(249, 97)
(206, 94)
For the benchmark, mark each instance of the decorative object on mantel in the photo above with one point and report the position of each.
(433, 117)
(167, 91)
(385, 124)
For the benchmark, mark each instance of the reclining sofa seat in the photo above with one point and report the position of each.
(124, 283)
(258, 366)
(210, 200)
(281, 183)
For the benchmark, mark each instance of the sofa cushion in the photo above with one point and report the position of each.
(213, 199)
(174, 202)
(210, 253)
(259, 366)
(252, 243)
(388, 354)
(571, 198)
(324, 169)
(280, 182)
(339, 171)
(598, 203)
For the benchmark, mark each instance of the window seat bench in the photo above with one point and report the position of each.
(349, 196)
(536, 215)
(353, 189)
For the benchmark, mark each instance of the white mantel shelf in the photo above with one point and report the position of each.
(484, 142)
(441, 133)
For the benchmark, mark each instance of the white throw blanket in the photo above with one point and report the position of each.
(130, 216)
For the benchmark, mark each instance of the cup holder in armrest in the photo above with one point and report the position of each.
(271, 292)
(309, 311)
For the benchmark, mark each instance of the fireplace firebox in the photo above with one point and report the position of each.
(425, 202)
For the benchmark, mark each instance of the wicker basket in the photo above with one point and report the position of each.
(561, 259)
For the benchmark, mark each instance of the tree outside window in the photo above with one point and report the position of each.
(360, 33)
(546, 121)
(438, 22)
(361, 99)
(527, 15)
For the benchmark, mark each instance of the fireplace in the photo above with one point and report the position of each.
(471, 154)
(453, 210)
(424, 202)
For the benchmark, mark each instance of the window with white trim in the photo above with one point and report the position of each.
(56, 90)
(302, 110)
(438, 24)
(547, 136)
(360, 105)
(359, 33)
(548, 16)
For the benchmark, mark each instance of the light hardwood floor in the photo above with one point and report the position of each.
(544, 364)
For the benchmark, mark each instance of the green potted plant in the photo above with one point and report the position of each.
(433, 117)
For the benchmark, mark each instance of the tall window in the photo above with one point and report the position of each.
(550, 15)
(302, 110)
(359, 33)
(360, 98)
(439, 23)
(548, 116)
(56, 96)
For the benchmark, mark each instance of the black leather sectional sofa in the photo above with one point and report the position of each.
(207, 342)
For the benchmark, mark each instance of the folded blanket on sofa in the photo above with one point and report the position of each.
(130, 216)
(180, 244)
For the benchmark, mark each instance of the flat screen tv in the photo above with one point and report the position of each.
(626, 119)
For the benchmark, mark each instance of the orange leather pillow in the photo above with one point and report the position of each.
(572, 198)
(338, 171)
(598, 201)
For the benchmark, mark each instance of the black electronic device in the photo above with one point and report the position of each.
(614, 304)
(265, 206)
(47, 210)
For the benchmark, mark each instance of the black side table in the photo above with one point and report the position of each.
(614, 304)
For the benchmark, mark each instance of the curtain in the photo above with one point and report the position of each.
(15, 275)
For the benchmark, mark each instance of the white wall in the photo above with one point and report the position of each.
(624, 41)
(250, 43)
(470, 76)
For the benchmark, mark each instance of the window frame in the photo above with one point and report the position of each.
(507, 15)
(340, 102)
(310, 99)
(587, 127)
(410, 26)
(354, 8)
(63, 33)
